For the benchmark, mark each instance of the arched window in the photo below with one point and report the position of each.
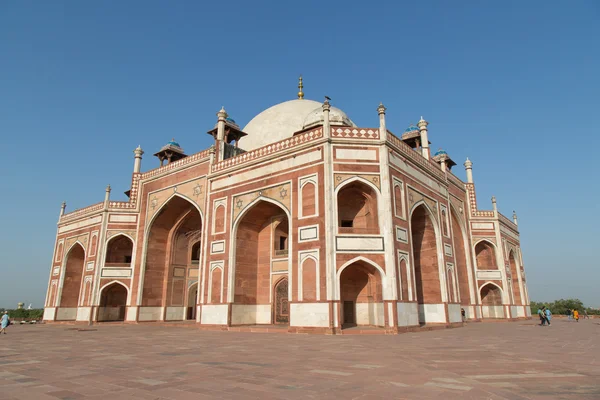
(357, 209)
(486, 256)
(119, 251)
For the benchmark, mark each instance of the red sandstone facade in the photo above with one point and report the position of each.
(331, 227)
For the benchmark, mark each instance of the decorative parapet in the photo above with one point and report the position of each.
(270, 149)
(416, 157)
(481, 213)
(176, 164)
(473, 203)
(355, 133)
(455, 180)
(80, 212)
(506, 221)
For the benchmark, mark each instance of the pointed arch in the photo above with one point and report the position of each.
(161, 283)
(120, 283)
(119, 250)
(357, 207)
(360, 284)
(167, 201)
(514, 272)
(232, 264)
(72, 275)
(372, 263)
(364, 259)
(491, 300)
(430, 290)
(254, 202)
(128, 236)
(77, 242)
(462, 258)
(114, 297)
(486, 255)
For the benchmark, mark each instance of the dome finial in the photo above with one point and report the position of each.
(300, 87)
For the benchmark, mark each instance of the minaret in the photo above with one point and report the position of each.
(515, 218)
(300, 87)
(469, 169)
(424, 141)
(63, 206)
(326, 109)
(137, 162)
(382, 128)
(222, 115)
(494, 205)
(107, 194)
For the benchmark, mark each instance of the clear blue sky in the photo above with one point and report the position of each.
(513, 85)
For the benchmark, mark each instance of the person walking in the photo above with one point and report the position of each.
(542, 316)
(463, 314)
(4, 322)
(585, 314)
(569, 313)
(548, 315)
(576, 315)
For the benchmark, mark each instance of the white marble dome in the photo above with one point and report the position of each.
(280, 121)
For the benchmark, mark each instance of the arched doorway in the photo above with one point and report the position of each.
(261, 256)
(361, 295)
(491, 301)
(191, 302)
(113, 302)
(460, 257)
(517, 300)
(169, 259)
(71, 287)
(281, 309)
(119, 250)
(357, 209)
(425, 252)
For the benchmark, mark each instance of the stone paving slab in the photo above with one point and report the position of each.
(515, 360)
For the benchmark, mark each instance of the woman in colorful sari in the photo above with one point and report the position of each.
(576, 315)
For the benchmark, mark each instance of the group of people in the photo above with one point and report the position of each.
(545, 315)
(574, 314)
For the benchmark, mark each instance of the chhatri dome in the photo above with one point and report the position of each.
(282, 120)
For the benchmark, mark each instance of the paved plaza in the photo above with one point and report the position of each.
(504, 360)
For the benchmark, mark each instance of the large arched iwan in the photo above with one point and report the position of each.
(460, 258)
(169, 254)
(74, 266)
(424, 244)
(261, 247)
(515, 278)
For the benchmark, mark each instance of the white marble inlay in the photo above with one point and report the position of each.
(359, 243)
(356, 154)
(217, 247)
